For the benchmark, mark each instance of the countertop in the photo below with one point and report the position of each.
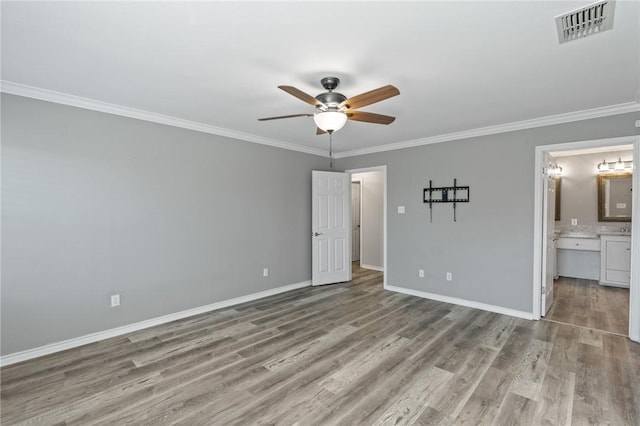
(591, 235)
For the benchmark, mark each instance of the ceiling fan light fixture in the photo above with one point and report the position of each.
(330, 121)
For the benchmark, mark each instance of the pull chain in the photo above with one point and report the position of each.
(331, 149)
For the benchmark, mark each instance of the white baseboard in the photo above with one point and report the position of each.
(462, 302)
(375, 268)
(118, 331)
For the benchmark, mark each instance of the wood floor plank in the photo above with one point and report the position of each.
(350, 353)
(409, 405)
(484, 403)
(515, 410)
(588, 304)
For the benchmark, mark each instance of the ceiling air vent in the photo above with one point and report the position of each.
(586, 21)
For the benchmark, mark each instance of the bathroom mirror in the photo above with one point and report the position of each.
(614, 197)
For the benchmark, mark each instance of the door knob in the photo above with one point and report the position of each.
(315, 234)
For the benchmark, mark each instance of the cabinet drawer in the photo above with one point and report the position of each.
(590, 244)
(618, 276)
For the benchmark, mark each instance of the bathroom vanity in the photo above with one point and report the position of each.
(578, 255)
(604, 257)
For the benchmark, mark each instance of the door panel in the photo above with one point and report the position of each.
(548, 235)
(330, 217)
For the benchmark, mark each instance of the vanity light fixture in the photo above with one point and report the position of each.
(603, 167)
(555, 170)
(618, 166)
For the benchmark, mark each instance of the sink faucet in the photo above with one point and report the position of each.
(627, 227)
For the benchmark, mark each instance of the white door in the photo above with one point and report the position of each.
(330, 227)
(548, 235)
(355, 221)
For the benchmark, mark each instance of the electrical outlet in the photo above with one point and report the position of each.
(574, 222)
(449, 276)
(401, 210)
(265, 272)
(421, 273)
(115, 300)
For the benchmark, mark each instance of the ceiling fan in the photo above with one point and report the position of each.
(333, 109)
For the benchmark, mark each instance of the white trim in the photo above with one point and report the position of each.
(359, 181)
(634, 288)
(634, 299)
(93, 105)
(383, 169)
(130, 328)
(374, 268)
(462, 302)
(500, 128)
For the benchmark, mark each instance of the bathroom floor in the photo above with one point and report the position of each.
(588, 304)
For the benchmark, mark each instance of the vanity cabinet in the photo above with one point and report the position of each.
(615, 260)
(578, 256)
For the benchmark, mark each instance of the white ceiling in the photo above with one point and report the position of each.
(458, 65)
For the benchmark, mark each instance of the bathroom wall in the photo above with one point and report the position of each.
(372, 219)
(579, 191)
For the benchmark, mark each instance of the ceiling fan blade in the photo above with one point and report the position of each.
(319, 131)
(301, 95)
(371, 97)
(285, 116)
(370, 117)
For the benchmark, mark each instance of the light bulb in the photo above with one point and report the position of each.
(603, 167)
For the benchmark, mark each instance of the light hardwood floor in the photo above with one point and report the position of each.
(588, 304)
(340, 354)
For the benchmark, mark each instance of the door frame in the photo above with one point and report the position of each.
(634, 287)
(383, 169)
(358, 180)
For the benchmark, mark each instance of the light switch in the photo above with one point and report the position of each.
(400, 209)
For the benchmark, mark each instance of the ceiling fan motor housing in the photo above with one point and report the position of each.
(331, 99)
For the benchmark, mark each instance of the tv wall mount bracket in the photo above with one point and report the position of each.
(445, 194)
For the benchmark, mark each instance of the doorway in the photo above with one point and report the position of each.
(580, 296)
(580, 285)
(372, 233)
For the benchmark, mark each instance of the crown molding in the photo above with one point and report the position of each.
(18, 89)
(501, 128)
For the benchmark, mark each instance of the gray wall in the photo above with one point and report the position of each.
(371, 218)
(579, 193)
(489, 250)
(95, 204)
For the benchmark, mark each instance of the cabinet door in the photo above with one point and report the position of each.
(619, 255)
